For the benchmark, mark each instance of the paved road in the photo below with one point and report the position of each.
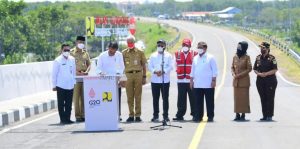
(284, 132)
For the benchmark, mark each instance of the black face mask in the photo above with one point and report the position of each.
(243, 50)
(240, 52)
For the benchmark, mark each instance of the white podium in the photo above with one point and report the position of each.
(101, 102)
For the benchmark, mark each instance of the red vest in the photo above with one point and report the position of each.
(184, 65)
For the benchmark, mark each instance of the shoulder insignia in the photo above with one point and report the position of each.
(274, 61)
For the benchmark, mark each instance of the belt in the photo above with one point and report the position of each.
(133, 71)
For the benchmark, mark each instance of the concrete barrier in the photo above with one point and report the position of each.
(18, 80)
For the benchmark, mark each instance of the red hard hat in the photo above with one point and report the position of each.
(187, 41)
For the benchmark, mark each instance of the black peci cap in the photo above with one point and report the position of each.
(161, 41)
(265, 44)
(81, 38)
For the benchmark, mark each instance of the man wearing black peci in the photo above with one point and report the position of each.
(160, 66)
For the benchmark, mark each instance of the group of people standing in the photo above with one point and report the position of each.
(265, 67)
(196, 78)
(197, 75)
(70, 63)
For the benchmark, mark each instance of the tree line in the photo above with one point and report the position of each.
(281, 17)
(35, 31)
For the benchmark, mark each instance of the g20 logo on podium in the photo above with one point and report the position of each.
(107, 96)
(93, 102)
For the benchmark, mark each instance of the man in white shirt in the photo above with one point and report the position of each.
(63, 81)
(160, 79)
(203, 82)
(111, 62)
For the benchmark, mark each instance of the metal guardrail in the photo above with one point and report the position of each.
(172, 43)
(278, 44)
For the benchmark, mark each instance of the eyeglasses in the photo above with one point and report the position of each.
(66, 50)
(160, 45)
(263, 48)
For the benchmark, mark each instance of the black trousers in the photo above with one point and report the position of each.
(120, 93)
(183, 90)
(64, 103)
(158, 88)
(266, 88)
(199, 94)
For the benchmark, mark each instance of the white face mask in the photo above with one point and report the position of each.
(80, 46)
(160, 49)
(200, 51)
(66, 54)
(185, 49)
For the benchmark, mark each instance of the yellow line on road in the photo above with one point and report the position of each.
(200, 129)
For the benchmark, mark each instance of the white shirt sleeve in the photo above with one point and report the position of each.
(74, 70)
(55, 69)
(170, 65)
(214, 67)
(99, 65)
(193, 68)
(151, 65)
(122, 65)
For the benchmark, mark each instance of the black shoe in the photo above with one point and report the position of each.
(269, 118)
(243, 117)
(237, 117)
(62, 122)
(263, 119)
(138, 119)
(178, 119)
(166, 119)
(69, 122)
(197, 120)
(79, 120)
(120, 119)
(210, 119)
(130, 119)
(155, 119)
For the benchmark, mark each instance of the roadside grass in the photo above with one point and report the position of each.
(286, 65)
(150, 33)
(183, 34)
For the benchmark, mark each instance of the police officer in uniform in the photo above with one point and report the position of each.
(135, 70)
(83, 64)
(265, 67)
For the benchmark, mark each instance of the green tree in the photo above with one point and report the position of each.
(296, 33)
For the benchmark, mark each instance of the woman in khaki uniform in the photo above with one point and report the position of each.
(241, 67)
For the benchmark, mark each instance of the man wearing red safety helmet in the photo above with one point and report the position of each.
(184, 58)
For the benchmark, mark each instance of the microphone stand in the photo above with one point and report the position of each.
(164, 122)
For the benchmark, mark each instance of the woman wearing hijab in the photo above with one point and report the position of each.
(241, 67)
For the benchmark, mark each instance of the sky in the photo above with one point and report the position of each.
(158, 1)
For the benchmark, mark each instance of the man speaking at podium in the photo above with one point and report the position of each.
(111, 62)
(160, 66)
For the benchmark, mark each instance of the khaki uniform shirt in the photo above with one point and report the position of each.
(82, 59)
(134, 59)
(241, 66)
